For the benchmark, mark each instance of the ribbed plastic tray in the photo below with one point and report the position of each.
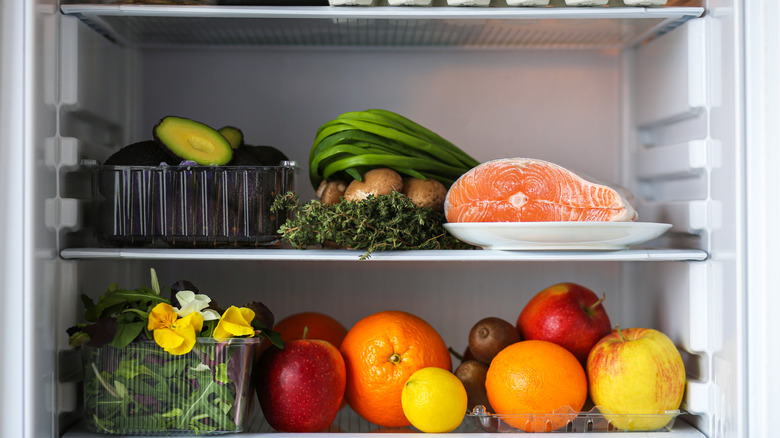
(188, 206)
(567, 420)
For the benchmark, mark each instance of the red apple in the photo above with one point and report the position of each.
(566, 314)
(637, 374)
(300, 387)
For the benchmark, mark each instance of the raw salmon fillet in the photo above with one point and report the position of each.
(529, 190)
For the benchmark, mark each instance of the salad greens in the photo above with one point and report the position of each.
(172, 364)
(141, 389)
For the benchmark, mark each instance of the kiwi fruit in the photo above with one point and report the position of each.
(472, 374)
(491, 335)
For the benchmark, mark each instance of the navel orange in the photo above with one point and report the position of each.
(381, 352)
(536, 377)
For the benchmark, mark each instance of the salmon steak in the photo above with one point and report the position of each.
(530, 190)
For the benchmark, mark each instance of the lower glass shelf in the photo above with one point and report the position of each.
(349, 423)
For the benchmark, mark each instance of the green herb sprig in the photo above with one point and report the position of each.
(378, 223)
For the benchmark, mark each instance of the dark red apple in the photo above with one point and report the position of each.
(566, 314)
(300, 387)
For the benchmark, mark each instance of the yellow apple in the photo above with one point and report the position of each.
(636, 371)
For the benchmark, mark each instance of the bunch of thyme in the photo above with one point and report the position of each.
(378, 223)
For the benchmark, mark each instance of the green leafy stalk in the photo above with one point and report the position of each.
(427, 133)
(358, 141)
(381, 160)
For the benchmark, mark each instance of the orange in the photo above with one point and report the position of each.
(529, 190)
(320, 326)
(381, 352)
(536, 377)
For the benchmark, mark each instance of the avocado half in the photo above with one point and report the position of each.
(193, 141)
(233, 135)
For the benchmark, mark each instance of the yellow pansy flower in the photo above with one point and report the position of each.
(235, 322)
(175, 335)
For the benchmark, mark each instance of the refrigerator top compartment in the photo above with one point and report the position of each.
(155, 26)
(150, 26)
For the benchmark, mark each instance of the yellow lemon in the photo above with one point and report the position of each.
(434, 400)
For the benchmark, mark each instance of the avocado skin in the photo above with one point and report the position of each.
(248, 155)
(242, 157)
(267, 155)
(142, 153)
(168, 132)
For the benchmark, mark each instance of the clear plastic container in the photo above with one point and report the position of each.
(566, 420)
(142, 390)
(586, 2)
(353, 2)
(644, 2)
(527, 2)
(188, 206)
(468, 2)
(410, 2)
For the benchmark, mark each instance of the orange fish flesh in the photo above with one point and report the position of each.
(531, 190)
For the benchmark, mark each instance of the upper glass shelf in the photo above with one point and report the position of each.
(152, 26)
(407, 256)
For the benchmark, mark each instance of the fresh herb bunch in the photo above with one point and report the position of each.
(377, 223)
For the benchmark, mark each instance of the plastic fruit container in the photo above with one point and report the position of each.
(188, 206)
(141, 389)
(594, 420)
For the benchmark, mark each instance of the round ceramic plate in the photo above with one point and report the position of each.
(556, 235)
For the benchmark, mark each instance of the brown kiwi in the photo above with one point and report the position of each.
(491, 335)
(473, 373)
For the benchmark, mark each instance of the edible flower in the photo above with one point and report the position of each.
(175, 335)
(235, 322)
(192, 302)
(177, 324)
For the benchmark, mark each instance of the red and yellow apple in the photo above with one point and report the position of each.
(300, 388)
(636, 371)
(566, 314)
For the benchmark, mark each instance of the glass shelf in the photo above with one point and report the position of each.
(151, 26)
(350, 255)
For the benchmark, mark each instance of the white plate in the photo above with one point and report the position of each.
(556, 235)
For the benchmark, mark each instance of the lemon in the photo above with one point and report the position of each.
(434, 400)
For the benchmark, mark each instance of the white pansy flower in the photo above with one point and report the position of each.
(192, 302)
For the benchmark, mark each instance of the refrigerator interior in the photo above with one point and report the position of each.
(648, 106)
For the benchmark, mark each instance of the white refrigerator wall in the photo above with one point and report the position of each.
(83, 97)
(762, 135)
(28, 249)
(493, 104)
